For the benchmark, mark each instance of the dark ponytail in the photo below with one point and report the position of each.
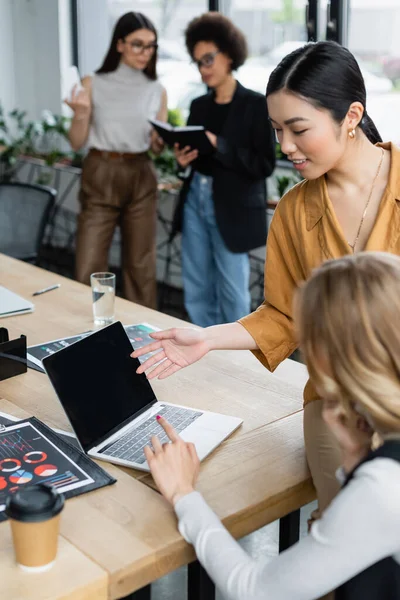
(128, 23)
(327, 75)
(369, 128)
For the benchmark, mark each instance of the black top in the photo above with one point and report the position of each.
(215, 123)
(381, 581)
(243, 159)
(217, 116)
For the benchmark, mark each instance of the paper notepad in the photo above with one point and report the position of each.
(11, 304)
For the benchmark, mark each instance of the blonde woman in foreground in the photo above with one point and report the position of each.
(347, 318)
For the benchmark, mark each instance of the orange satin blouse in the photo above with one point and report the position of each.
(305, 232)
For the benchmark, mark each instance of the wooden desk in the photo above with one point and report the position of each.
(128, 529)
(73, 577)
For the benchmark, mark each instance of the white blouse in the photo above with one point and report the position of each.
(123, 101)
(361, 527)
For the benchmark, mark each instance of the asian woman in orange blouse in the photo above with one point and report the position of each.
(348, 202)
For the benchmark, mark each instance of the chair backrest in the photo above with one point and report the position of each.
(24, 212)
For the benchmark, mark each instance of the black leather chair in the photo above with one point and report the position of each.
(25, 210)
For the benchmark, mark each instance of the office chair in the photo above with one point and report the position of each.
(24, 212)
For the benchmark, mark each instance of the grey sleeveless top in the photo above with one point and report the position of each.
(122, 102)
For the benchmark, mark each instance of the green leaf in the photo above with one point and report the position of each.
(175, 117)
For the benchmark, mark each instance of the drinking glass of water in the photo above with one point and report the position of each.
(103, 292)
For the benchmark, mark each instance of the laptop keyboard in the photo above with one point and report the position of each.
(130, 445)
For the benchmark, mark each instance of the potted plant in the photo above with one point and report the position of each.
(51, 144)
(45, 139)
(284, 181)
(16, 138)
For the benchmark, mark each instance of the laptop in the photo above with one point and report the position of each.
(112, 408)
(11, 304)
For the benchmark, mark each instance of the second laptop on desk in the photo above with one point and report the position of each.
(12, 304)
(112, 409)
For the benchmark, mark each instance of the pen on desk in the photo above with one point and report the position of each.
(48, 289)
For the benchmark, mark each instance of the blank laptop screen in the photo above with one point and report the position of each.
(96, 382)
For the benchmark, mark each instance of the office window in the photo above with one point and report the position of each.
(273, 28)
(170, 17)
(374, 39)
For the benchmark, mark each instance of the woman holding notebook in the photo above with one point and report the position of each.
(119, 185)
(222, 209)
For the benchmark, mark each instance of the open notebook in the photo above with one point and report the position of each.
(11, 304)
(189, 135)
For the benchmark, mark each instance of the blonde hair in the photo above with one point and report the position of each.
(348, 317)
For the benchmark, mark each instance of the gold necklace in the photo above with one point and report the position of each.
(352, 246)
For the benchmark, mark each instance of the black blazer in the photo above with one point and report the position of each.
(244, 157)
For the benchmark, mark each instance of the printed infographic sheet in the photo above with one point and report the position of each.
(138, 335)
(28, 457)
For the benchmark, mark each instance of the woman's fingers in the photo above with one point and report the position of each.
(185, 155)
(77, 94)
(159, 369)
(149, 454)
(169, 371)
(193, 453)
(167, 334)
(179, 152)
(144, 366)
(156, 444)
(152, 360)
(73, 94)
(146, 349)
(169, 430)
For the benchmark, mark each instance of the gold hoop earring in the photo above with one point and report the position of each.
(352, 133)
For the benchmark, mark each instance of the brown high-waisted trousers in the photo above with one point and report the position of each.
(119, 190)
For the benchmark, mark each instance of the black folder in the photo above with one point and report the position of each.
(100, 476)
(192, 135)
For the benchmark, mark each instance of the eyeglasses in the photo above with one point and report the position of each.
(139, 48)
(207, 60)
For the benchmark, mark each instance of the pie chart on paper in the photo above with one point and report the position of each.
(19, 477)
(35, 457)
(3, 483)
(9, 465)
(46, 470)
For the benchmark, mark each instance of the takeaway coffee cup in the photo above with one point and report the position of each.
(34, 514)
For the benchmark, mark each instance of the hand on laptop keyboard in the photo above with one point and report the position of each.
(174, 466)
(130, 446)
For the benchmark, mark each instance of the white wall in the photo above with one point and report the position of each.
(34, 48)
(94, 30)
(7, 69)
(37, 55)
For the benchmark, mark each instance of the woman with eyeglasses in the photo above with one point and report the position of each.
(119, 184)
(222, 208)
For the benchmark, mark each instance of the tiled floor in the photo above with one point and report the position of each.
(263, 542)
